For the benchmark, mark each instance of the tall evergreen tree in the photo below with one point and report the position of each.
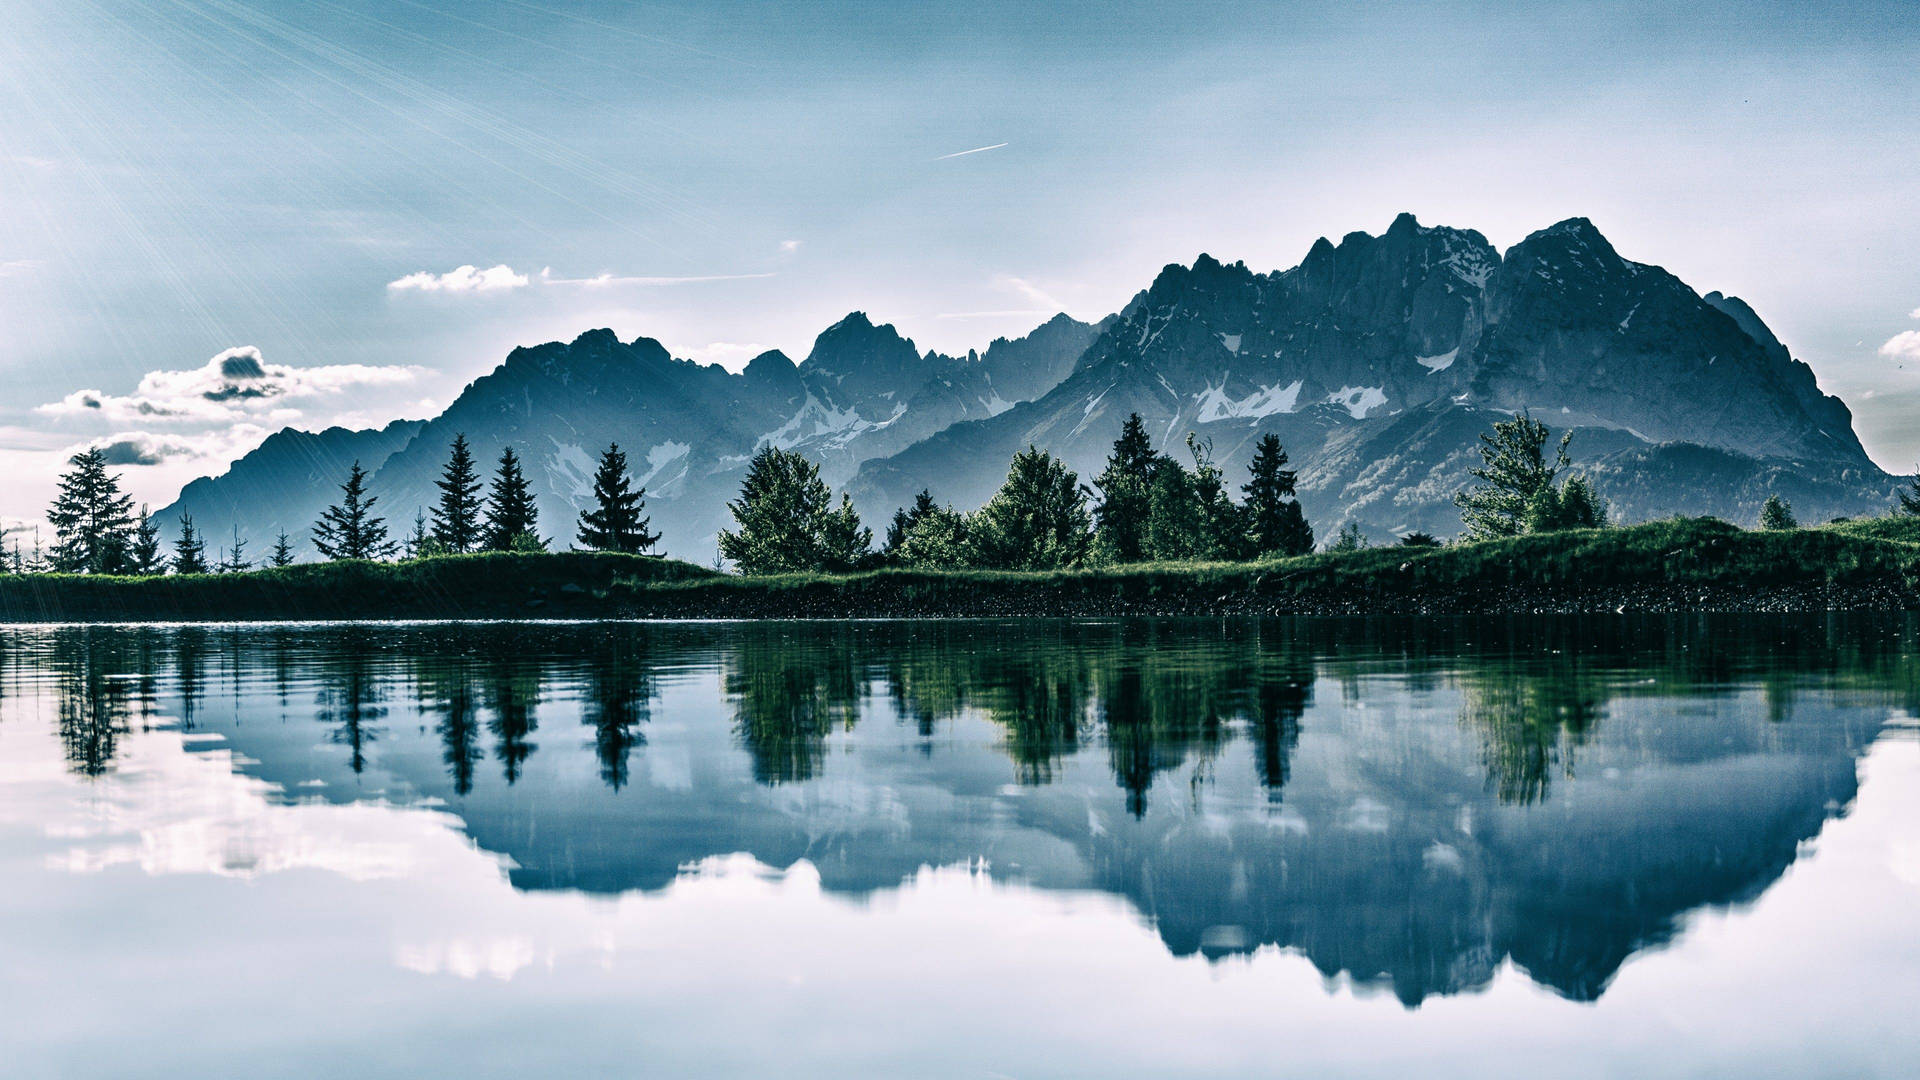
(845, 544)
(456, 518)
(282, 553)
(92, 519)
(190, 551)
(419, 540)
(617, 521)
(1275, 523)
(1174, 515)
(1037, 520)
(235, 560)
(1126, 494)
(512, 518)
(143, 554)
(348, 529)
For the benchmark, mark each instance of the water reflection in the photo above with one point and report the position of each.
(1408, 803)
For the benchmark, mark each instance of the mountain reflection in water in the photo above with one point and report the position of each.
(1409, 802)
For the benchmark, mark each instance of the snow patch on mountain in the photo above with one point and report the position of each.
(1231, 341)
(1441, 362)
(1359, 400)
(1214, 404)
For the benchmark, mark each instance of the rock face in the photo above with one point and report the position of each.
(1378, 361)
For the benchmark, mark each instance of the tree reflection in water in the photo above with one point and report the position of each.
(1392, 798)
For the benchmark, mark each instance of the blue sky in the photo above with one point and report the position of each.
(187, 183)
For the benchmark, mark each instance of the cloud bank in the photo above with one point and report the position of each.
(236, 383)
(461, 279)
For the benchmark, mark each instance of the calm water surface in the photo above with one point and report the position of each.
(1617, 847)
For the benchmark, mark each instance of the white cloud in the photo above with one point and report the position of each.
(461, 279)
(15, 267)
(236, 383)
(791, 246)
(1914, 314)
(603, 280)
(1904, 345)
(1038, 296)
(975, 150)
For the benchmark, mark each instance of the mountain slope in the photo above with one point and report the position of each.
(1380, 360)
(284, 484)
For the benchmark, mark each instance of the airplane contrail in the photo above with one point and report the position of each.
(975, 150)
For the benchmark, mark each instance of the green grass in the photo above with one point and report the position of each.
(494, 584)
(1674, 564)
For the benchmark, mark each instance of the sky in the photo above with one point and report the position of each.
(221, 217)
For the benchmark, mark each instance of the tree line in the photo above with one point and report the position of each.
(1145, 505)
(97, 532)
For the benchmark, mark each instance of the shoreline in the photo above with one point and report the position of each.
(1671, 567)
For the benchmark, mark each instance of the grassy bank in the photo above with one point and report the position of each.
(1679, 565)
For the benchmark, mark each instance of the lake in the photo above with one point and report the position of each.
(1356, 848)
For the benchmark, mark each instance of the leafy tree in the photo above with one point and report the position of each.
(1419, 540)
(1776, 515)
(143, 553)
(616, 522)
(1910, 496)
(282, 553)
(1037, 521)
(936, 540)
(1275, 523)
(1350, 538)
(456, 518)
(348, 529)
(1222, 533)
(1121, 521)
(190, 551)
(511, 514)
(92, 519)
(1174, 513)
(787, 521)
(235, 561)
(904, 521)
(1518, 494)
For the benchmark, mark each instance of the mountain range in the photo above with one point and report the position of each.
(1378, 360)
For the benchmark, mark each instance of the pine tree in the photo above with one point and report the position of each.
(845, 544)
(1776, 515)
(1126, 496)
(235, 561)
(348, 529)
(190, 551)
(616, 523)
(1221, 535)
(1037, 521)
(456, 519)
(512, 518)
(1275, 523)
(92, 519)
(282, 553)
(419, 538)
(143, 554)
